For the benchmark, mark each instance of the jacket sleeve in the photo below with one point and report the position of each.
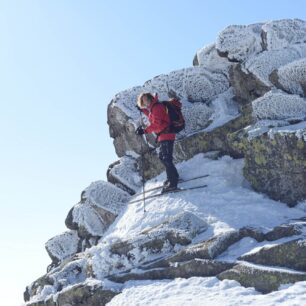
(159, 120)
(145, 111)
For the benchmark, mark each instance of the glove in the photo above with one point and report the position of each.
(139, 131)
(138, 107)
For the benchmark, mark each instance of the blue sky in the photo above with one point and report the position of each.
(61, 62)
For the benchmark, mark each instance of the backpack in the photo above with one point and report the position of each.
(174, 110)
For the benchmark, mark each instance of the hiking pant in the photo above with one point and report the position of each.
(166, 157)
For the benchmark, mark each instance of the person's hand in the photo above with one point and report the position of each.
(139, 131)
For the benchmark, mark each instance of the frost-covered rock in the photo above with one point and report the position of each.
(290, 254)
(63, 246)
(277, 105)
(179, 229)
(208, 57)
(262, 65)
(279, 34)
(100, 204)
(124, 174)
(238, 42)
(66, 274)
(291, 77)
(262, 279)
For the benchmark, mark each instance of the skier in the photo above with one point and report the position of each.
(159, 124)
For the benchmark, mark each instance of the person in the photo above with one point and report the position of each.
(160, 125)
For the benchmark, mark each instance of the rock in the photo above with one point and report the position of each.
(124, 174)
(277, 105)
(85, 294)
(63, 246)
(36, 287)
(238, 42)
(179, 230)
(192, 268)
(274, 164)
(247, 86)
(284, 230)
(100, 204)
(208, 249)
(208, 57)
(280, 34)
(263, 280)
(263, 64)
(291, 77)
(290, 254)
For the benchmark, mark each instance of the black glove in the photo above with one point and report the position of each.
(138, 107)
(139, 131)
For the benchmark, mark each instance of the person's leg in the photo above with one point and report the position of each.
(166, 157)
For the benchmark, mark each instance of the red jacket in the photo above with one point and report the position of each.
(159, 121)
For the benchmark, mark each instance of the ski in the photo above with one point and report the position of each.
(180, 182)
(165, 193)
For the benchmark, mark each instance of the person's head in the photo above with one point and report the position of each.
(145, 99)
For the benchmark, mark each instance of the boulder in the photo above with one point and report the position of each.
(264, 280)
(100, 204)
(238, 42)
(85, 294)
(63, 246)
(274, 164)
(192, 268)
(290, 254)
(279, 34)
(277, 105)
(283, 230)
(124, 174)
(179, 229)
(291, 77)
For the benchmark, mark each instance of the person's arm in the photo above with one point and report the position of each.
(160, 120)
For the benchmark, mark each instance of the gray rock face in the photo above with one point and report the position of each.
(275, 166)
(290, 254)
(247, 87)
(263, 280)
(194, 267)
(86, 295)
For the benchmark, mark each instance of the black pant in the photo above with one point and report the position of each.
(166, 157)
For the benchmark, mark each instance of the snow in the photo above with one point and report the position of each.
(277, 105)
(298, 129)
(292, 75)
(282, 33)
(238, 42)
(63, 245)
(210, 291)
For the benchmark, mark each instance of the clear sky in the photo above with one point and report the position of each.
(61, 62)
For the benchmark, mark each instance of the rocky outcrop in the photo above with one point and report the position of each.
(290, 254)
(100, 204)
(63, 246)
(291, 77)
(263, 280)
(274, 165)
(191, 268)
(178, 230)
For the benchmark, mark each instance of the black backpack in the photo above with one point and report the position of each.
(174, 110)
